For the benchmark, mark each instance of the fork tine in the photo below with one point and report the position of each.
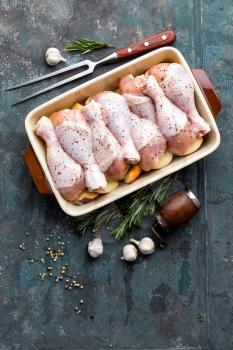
(46, 76)
(60, 83)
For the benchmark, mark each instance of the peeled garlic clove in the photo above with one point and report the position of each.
(146, 246)
(95, 247)
(130, 253)
(53, 56)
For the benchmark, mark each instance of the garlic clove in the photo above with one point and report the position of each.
(134, 241)
(130, 253)
(95, 247)
(53, 56)
(146, 246)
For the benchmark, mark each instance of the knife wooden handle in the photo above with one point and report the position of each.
(150, 43)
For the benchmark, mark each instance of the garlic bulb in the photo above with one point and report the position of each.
(95, 247)
(146, 246)
(53, 56)
(130, 253)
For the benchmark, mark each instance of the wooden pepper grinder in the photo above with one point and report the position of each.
(174, 212)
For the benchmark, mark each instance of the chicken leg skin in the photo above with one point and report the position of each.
(66, 173)
(179, 88)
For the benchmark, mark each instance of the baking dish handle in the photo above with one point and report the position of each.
(208, 91)
(204, 84)
(36, 171)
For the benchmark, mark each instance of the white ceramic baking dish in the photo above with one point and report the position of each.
(110, 81)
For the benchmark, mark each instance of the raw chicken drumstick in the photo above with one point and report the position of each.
(150, 143)
(132, 90)
(107, 150)
(172, 121)
(143, 106)
(67, 174)
(75, 136)
(118, 119)
(178, 87)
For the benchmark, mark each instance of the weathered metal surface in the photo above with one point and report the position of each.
(152, 304)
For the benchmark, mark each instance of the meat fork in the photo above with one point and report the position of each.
(144, 45)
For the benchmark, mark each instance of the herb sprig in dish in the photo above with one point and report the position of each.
(130, 211)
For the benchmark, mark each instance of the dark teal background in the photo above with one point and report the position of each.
(152, 304)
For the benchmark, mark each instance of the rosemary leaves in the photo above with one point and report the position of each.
(129, 211)
(86, 45)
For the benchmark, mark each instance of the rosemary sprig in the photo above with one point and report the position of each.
(103, 218)
(201, 316)
(87, 222)
(131, 210)
(97, 219)
(86, 45)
